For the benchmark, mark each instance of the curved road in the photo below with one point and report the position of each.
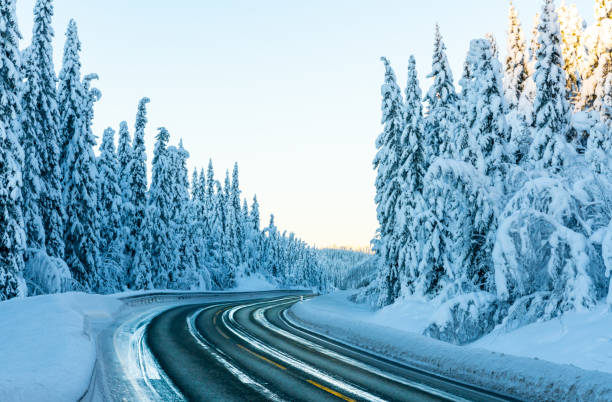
(248, 351)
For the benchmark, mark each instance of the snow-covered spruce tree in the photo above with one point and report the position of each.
(70, 90)
(41, 118)
(155, 248)
(597, 40)
(34, 151)
(239, 223)
(183, 214)
(253, 238)
(516, 61)
(603, 88)
(571, 47)
(388, 189)
(109, 211)
(487, 108)
(466, 149)
(551, 108)
(81, 236)
(411, 174)
(12, 235)
(456, 232)
(441, 117)
(124, 156)
(493, 43)
(137, 204)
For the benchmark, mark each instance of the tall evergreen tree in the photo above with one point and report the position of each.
(551, 108)
(487, 112)
(388, 188)
(137, 205)
(70, 91)
(41, 118)
(571, 47)
(441, 119)
(155, 230)
(597, 40)
(124, 156)
(109, 192)
(516, 62)
(34, 151)
(12, 236)
(80, 195)
(109, 212)
(412, 171)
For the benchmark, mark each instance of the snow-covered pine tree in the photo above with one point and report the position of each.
(137, 205)
(534, 45)
(597, 40)
(70, 90)
(181, 217)
(124, 156)
(516, 61)
(411, 174)
(603, 100)
(602, 79)
(109, 197)
(34, 150)
(12, 235)
(155, 251)
(41, 117)
(239, 224)
(493, 42)
(487, 112)
(572, 49)
(81, 236)
(388, 188)
(441, 118)
(109, 211)
(465, 147)
(551, 108)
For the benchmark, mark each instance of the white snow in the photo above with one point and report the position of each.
(576, 343)
(255, 282)
(47, 346)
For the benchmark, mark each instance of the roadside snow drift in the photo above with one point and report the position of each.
(521, 377)
(47, 345)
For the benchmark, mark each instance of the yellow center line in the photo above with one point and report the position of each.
(221, 333)
(331, 391)
(262, 357)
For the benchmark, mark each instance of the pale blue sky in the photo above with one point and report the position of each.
(290, 90)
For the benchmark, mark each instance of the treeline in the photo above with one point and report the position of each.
(495, 198)
(71, 220)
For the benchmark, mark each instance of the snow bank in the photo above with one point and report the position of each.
(393, 337)
(47, 345)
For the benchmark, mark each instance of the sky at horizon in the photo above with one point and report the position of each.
(289, 90)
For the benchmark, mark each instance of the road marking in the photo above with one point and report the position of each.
(331, 391)
(262, 357)
(221, 333)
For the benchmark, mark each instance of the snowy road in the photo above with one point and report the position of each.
(247, 350)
